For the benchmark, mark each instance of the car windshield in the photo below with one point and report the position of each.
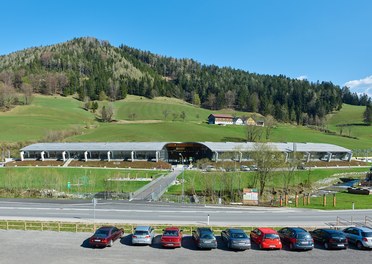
(170, 233)
(367, 234)
(102, 233)
(238, 235)
(207, 236)
(303, 236)
(271, 236)
(140, 233)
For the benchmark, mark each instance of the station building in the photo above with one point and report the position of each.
(178, 152)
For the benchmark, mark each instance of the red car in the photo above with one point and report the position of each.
(172, 237)
(266, 238)
(105, 236)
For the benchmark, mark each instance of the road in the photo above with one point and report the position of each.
(36, 247)
(157, 213)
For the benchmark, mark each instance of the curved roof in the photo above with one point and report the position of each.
(157, 146)
(283, 147)
(97, 146)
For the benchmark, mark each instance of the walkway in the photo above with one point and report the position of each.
(155, 189)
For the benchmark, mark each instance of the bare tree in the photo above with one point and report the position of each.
(253, 133)
(183, 115)
(7, 95)
(267, 160)
(27, 93)
(230, 97)
(107, 113)
(165, 113)
(269, 124)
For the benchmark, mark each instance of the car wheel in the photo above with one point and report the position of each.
(326, 246)
(111, 243)
(359, 245)
(260, 246)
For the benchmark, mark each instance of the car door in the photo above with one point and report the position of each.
(352, 234)
(316, 234)
(284, 235)
(254, 235)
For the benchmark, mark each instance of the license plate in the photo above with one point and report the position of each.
(241, 244)
(304, 243)
(170, 244)
(340, 245)
(97, 240)
(208, 241)
(272, 246)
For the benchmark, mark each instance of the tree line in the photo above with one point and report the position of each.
(94, 69)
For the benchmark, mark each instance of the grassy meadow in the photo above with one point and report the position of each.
(82, 180)
(143, 119)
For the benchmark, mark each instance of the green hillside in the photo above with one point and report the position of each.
(31, 123)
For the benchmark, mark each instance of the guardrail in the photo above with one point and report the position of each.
(91, 227)
(368, 221)
(342, 223)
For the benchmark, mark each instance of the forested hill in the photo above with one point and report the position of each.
(97, 70)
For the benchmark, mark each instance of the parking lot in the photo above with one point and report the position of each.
(64, 247)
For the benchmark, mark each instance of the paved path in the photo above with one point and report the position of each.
(157, 187)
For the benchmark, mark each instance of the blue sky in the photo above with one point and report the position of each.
(325, 40)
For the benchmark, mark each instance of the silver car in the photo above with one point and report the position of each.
(360, 236)
(143, 235)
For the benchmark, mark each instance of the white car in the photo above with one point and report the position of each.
(143, 235)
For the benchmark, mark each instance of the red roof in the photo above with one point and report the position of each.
(221, 116)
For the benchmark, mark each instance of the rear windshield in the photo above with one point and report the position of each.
(303, 236)
(141, 233)
(238, 235)
(367, 234)
(271, 236)
(171, 233)
(207, 236)
(101, 233)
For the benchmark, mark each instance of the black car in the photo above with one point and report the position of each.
(296, 238)
(204, 238)
(330, 238)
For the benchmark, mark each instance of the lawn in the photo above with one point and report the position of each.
(82, 180)
(238, 180)
(344, 201)
(32, 122)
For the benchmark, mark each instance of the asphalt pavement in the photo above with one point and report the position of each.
(39, 247)
(168, 213)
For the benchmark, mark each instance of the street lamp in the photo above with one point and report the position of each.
(183, 178)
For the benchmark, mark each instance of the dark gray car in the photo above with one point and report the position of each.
(204, 238)
(236, 239)
(296, 238)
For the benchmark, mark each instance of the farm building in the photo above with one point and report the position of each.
(173, 151)
(220, 119)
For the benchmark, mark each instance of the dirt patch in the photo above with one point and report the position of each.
(139, 121)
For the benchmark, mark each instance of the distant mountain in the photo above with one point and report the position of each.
(96, 70)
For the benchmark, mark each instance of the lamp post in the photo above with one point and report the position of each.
(183, 178)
